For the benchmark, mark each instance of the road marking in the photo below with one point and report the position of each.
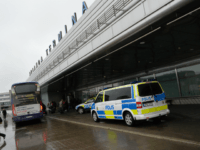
(21, 129)
(136, 133)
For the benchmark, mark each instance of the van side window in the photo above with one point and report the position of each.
(118, 94)
(99, 98)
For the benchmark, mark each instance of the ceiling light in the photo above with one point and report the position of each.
(107, 58)
(142, 42)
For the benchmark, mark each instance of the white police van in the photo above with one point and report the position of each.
(81, 108)
(137, 101)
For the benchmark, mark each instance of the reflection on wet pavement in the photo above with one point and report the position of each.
(53, 134)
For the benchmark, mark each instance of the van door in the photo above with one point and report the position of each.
(99, 105)
(116, 100)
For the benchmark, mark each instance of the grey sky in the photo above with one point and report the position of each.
(27, 28)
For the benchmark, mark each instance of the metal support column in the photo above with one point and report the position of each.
(179, 87)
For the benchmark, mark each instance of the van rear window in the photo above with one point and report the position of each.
(149, 89)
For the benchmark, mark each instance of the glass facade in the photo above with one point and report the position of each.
(146, 77)
(168, 82)
(188, 78)
(129, 81)
(118, 84)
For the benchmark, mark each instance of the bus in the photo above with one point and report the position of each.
(26, 101)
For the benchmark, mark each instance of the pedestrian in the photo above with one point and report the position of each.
(48, 105)
(1, 134)
(4, 114)
(61, 105)
(68, 103)
(65, 105)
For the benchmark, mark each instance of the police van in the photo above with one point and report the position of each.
(81, 108)
(136, 101)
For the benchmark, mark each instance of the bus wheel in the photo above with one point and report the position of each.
(80, 110)
(128, 118)
(95, 117)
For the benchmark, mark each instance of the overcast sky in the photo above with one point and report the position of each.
(27, 27)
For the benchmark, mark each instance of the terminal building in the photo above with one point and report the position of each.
(116, 42)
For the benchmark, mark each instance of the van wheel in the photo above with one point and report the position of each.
(128, 118)
(95, 117)
(80, 110)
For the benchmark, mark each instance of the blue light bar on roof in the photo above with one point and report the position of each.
(106, 88)
(135, 82)
(152, 80)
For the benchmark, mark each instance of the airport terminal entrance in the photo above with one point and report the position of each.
(167, 51)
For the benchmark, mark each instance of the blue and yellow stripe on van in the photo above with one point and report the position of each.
(110, 114)
(154, 109)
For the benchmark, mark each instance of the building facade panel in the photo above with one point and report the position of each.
(85, 50)
(152, 5)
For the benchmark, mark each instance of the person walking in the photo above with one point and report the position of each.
(4, 114)
(61, 106)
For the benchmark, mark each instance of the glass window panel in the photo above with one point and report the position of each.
(99, 89)
(107, 86)
(129, 81)
(146, 77)
(118, 94)
(168, 82)
(85, 96)
(99, 98)
(92, 92)
(117, 84)
(25, 88)
(189, 78)
(156, 89)
(149, 89)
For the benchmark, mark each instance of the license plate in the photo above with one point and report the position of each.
(29, 116)
(148, 104)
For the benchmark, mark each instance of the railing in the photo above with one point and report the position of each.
(87, 34)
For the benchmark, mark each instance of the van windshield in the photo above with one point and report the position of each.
(149, 89)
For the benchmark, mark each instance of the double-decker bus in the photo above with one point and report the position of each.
(26, 101)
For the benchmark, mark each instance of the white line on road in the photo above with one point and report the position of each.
(21, 129)
(136, 133)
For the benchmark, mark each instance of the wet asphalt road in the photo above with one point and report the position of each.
(72, 131)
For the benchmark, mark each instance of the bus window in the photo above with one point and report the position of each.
(25, 88)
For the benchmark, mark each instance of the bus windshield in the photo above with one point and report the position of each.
(25, 88)
(26, 94)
